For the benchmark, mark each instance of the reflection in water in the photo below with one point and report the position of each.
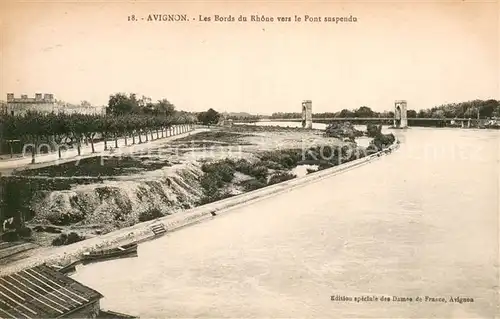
(420, 222)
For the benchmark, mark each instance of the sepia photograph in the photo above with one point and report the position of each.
(249, 159)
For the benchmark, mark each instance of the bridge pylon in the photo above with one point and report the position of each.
(400, 114)
(307, 114)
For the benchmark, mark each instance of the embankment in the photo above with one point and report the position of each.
(142, 231)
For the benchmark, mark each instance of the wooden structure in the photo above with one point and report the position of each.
(119, 251)
(42, 292)
(158, 229)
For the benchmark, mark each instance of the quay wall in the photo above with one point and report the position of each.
(142, 231)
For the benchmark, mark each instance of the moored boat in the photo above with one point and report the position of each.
(125, 250)
(67, 269)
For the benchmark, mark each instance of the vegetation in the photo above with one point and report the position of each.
(17, 234)
(213, 137)
(271, 168)
(126, 116)
(209, 117)
(280, 177)
(469, 109)
(373, 130)
(67, 239)
(342, 130)
(150, 215)
(243, 116)
(380, 141)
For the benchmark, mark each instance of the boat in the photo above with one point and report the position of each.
(120, 251)
(66, 269)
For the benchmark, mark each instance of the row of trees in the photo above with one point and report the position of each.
(126, 116)
(363, 111)
(470, 109)
(73, 129)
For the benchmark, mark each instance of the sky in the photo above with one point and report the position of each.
(427, 53)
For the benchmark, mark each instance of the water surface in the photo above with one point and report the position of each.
(420, 222)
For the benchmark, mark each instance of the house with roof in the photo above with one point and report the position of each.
(43, 292)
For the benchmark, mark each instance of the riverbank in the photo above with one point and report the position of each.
(95, 195)
(142, 231)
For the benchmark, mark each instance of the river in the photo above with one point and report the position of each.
(422, 221)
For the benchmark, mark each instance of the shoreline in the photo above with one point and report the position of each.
(142, 231)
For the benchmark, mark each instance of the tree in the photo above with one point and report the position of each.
(373, 130)
(438, 114)
(120, 104)
(364, 111)
(346, 113)
(209, 117)
(164, 107)
(411, 114)
(488, 107)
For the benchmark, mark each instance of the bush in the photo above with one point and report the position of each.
(150, 215)
(259, 171)
(211, 183)
(324, 165)
(285, 158)
(243, 166)
(373, 130)
(214, 197)
(280, 177)
(64, 219)
(24, 232)
(67, 239)
(10, 236)
(48, 229)
(342, 130)
(382, 141)
(272, 165)
(254, 184)
(310, 170)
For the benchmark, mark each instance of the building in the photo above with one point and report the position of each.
(42, 292)
(67, 108)
(23, 104)
(47, 104)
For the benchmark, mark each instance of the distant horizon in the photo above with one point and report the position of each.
(298, 110)
(427, 53)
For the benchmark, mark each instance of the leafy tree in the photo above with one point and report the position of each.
(346, 113)
(209, 117)
(411, 114)
(120, 104)
(373, 130)
(164, 107)
(364, 111)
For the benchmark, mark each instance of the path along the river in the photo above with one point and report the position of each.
(420, 222)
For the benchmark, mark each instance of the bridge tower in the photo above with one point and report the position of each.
(400, 117)
(307, 114)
